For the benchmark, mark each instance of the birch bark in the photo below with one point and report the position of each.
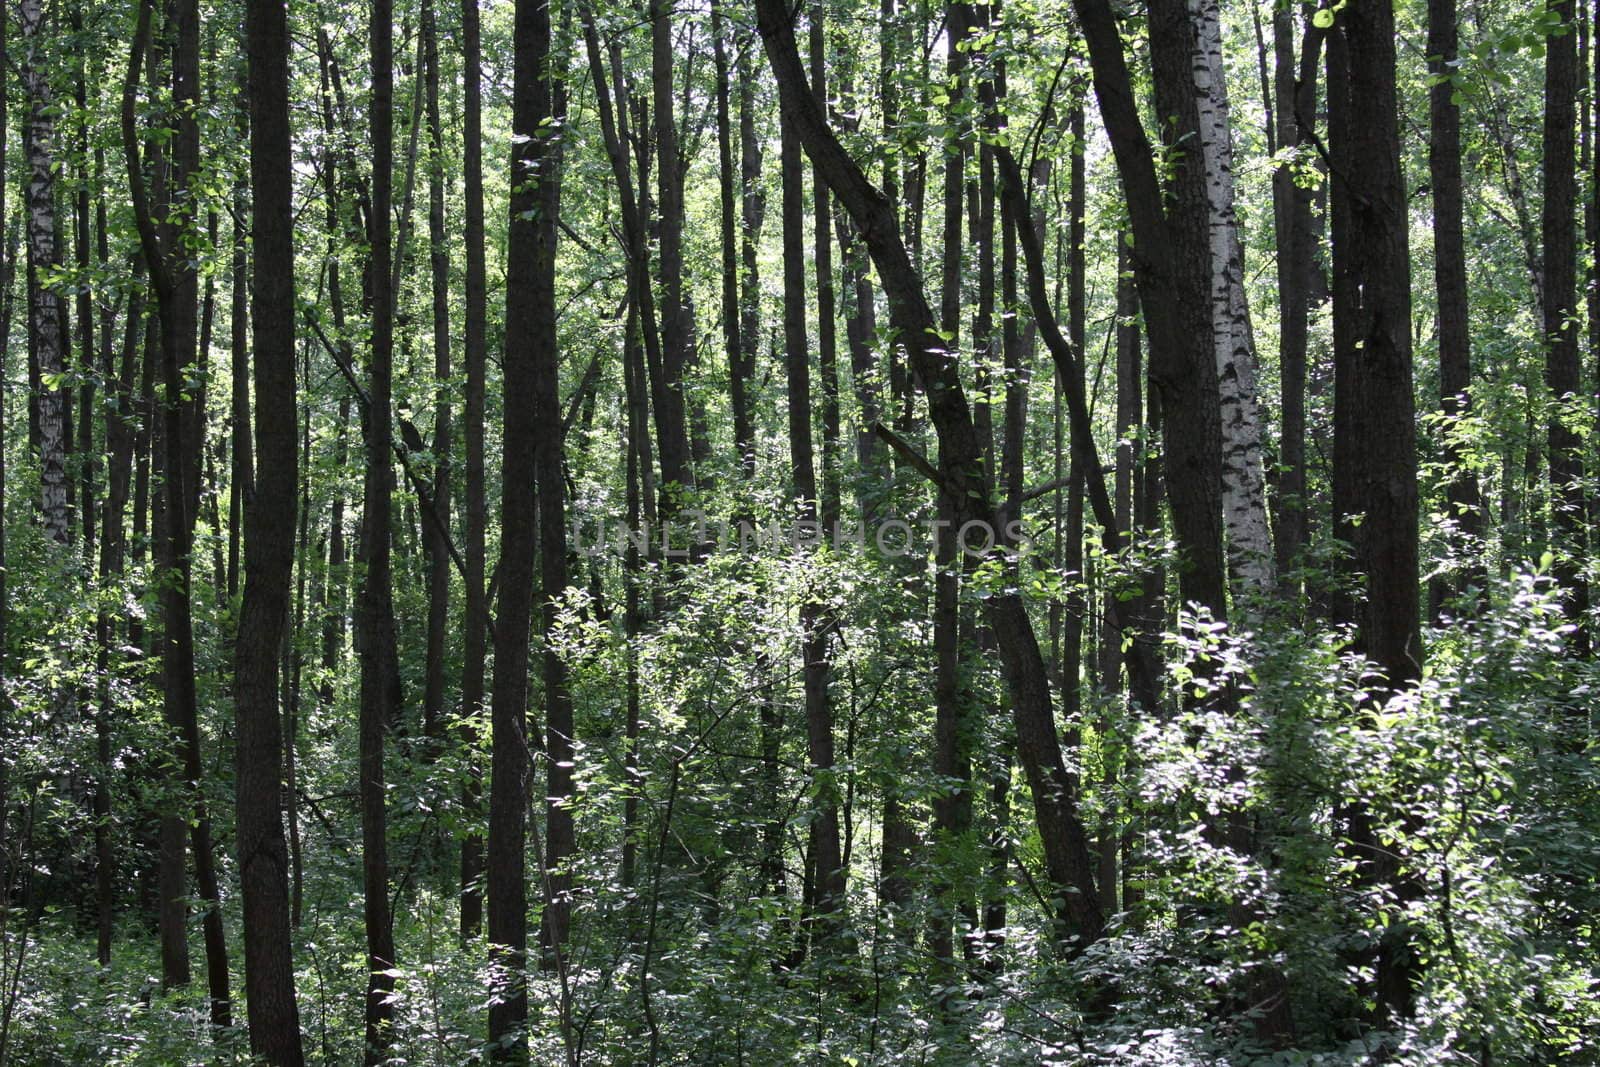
(44, 303)
(1244, 500)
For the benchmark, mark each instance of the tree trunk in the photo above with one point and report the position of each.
(243, 475)
(1375, 462)
(815, 622)
(827, 331)
(1244, 499)
(45, 310)
(436, 536)
(381, 697)
(677, 331)
(530, 355)
(474, 352)
(1171, 261)
(270, 515)
(1450, 284)
(738, 377)
(1061, 829)
(174, 279)
(1563, 371)
(752, 210)
(1296, 104)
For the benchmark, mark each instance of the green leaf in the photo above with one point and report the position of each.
(1322, 19)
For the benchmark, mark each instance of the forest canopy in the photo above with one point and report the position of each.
(598, 532)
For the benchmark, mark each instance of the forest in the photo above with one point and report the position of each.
(928, 532)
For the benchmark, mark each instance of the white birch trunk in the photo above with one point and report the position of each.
(44, 307)
(1244, 498)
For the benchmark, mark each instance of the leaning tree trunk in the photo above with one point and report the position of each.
(1060, 827)
(174, 279)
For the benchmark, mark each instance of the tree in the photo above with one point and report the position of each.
(1563, 366)
(44, 305)
(268, 553)
(474, 347)
(1375, 472)
(1060, 828)
(173, 278)
(381, 697)
(1244, 500)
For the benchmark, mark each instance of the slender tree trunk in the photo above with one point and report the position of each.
(474, 351)
(174, 280)
(548, 109)
(827, 331)
(270, 514)
(1563, 364)
(436, 536)
(738, 376)
(752, 210)
(815, 623)
(243, 475)
(119, 467)
(1450, 284)
(381, 697)
(1295, 97)
(677, 330)
(296, 653)
(952, 735)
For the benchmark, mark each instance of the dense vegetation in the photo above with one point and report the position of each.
(733, 532)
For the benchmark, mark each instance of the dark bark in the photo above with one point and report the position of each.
(952, 734)
(1450, 284)
(1375, 462)
(530, 367)
(677, 329)
(752, 209)
(827, 327)
(119, 420)
(474, 352)
(380, 691)
(1061, 830)
(435, 537)
(1170, 258)
(1563, 369)
(243, 474)
(173, 278)
(815, 622)
(733, 345)
(270, 518)
(1296, 97)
